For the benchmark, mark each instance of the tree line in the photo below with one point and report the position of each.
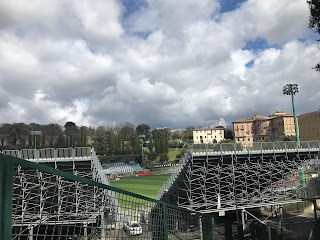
(114, 140)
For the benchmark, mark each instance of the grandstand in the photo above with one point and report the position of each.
(121, 168)
(220, 177)
(73, 204)
(48, 204)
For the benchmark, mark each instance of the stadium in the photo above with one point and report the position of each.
(66, 193)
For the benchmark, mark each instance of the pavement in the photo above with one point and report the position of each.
(298, 226)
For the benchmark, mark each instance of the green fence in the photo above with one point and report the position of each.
(39, 202)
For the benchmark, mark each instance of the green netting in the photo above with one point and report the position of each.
(52, 204)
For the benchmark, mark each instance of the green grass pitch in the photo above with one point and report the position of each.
(147, 185)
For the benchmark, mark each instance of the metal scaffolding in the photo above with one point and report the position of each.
(224, 177)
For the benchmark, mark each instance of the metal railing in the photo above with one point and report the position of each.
(278, 166)
(50, 153)
(39, 202)
(257, 147)
(177, 170)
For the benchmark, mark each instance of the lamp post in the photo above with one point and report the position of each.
(292, 89)
(35, 134)
(141, 137)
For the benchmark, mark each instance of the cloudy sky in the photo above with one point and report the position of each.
(162, 62)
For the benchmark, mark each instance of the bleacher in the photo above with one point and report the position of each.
(118, 167)
(136, 167)
(44, 202)
(121, 168)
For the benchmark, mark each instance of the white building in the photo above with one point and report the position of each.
(208, 135)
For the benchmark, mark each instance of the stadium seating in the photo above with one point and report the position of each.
(121, 167)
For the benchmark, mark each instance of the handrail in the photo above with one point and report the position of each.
(236, 148)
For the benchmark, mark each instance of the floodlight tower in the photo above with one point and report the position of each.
(292, 89)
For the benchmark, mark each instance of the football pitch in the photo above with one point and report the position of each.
(147, 185)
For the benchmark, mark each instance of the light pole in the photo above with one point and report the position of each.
(35, 134)
(142, 136)
(292, 89)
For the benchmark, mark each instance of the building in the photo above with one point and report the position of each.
(278, 126)
(208, 135)
(309, 126)
(281, 127)
(243, 131)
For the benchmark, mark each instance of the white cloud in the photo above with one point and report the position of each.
(76, 61)
(276, 21)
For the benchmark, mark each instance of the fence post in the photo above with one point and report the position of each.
(200, 226)
(165, 221)
(6, 194)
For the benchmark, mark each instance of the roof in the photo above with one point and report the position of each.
(244, 120)
(283, 115)
(309, 113)
(259, 117)
(202, 129)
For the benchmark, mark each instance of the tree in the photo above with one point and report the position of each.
(100, 140)
(60, 141)
(52, 130)
(143, 129)
(314, 21)
(129, 138)
(228, 133)
(151, 145)
(4, 133)
(83, 136)
(188, 136)
(71, 133)
(152, 155)
(161, 140)
(164, 157)
(18, 134)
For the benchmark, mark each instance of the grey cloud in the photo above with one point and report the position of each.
(189, 71)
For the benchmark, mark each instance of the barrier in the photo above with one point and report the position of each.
(140, 174)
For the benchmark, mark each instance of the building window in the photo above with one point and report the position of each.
(248, 139)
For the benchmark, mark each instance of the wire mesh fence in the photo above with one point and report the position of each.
(50, 204)
(39, 202)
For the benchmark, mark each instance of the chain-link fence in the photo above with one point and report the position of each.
(39, 202)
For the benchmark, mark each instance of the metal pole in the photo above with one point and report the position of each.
(31, 233)
(281, 219)
(200, 225)
(85, 232)
(242, 219)
(315, 210)
(103, 227)
(295, 122)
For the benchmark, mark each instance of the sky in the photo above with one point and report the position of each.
(165, 63)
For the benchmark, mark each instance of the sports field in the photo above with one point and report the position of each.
(147, 185)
